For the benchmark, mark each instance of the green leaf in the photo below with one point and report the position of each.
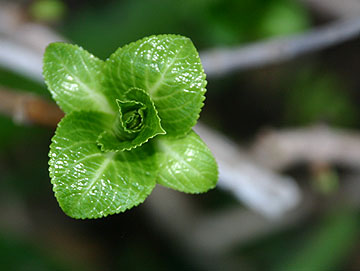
(131, 116)
(186, 164)
(168, 67)
(89, 183)
(101, 159)
(139, 106)
(74, 78)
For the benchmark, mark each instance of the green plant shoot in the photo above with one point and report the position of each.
(128, 124)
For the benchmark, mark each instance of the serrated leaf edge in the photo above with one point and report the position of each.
(50, 163)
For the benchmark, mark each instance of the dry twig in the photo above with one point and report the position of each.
(261, 189)
(219, 62)
(318, 144)
(25, 108)
(335, 8)
(22, 43)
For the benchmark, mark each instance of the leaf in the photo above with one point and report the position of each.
(89, 183)
(99, 162)
(74, 78)
(168, 67)
(186, 164)
(132, 114)
(110, 140)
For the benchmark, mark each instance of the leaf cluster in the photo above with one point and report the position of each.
(128, 124)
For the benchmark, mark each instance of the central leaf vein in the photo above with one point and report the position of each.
(97, 175)
(157, 84)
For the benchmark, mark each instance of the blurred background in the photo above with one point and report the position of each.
(281, 117)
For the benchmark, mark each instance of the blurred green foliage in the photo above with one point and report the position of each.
(283, 18)
(322, 244)
(103, 28)
(319, 96)
(328, 246)
(18, 254)
(47, 10)
(16, 81)
(326, 181)
(138, 256)
(11, 133)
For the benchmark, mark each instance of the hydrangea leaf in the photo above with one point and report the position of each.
(138, 121)
(186, 164)
(74, 77)
(168, 67)
(89, 183)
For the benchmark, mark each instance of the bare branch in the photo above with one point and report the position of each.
(262, 190)
(25, 108)
(218, 62)
(320, 144)
(211, 235)
(20, 59)
(22, 43)
(208, 237)
(336, 8)
(13, 26)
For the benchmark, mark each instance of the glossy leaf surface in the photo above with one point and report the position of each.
(186, 164)
(168, 67)
(127, 125)
(74, 78)
(89, 183)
